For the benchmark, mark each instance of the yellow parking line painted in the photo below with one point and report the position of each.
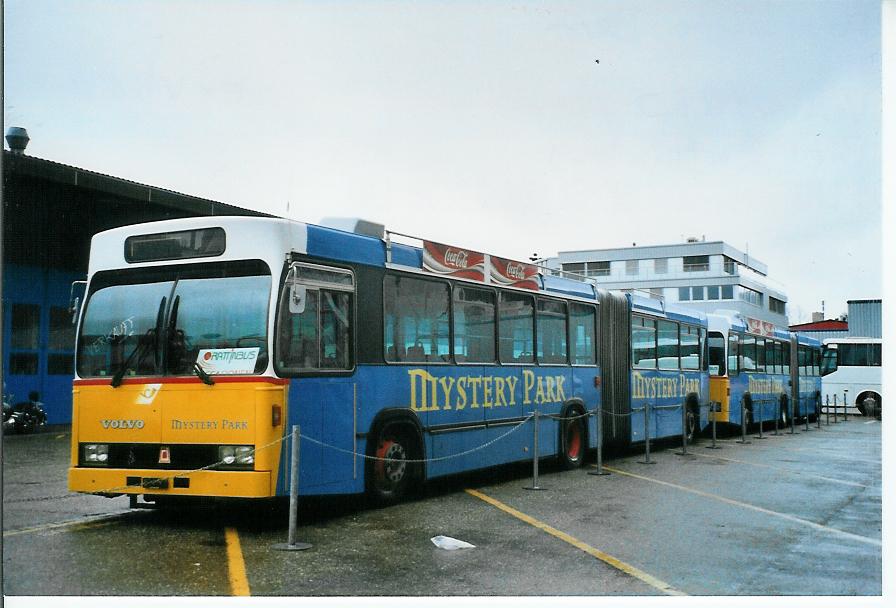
(90, 522)
(604, 557)
(792, 518)
(784, 469)
(236, 567)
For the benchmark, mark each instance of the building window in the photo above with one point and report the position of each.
(749, 295)
(776, 305)
(727, 292)
(730, 266)
(661, 266)
(25, 326)
(23, 364)
(632, 267)
(684, 294)
(696, 263)
(712, 292)
(697, 293)
(598, 269)
(575, 267)
(62, 330)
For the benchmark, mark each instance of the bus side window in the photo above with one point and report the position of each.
(760, 355)
(320, 336)
(643, 343)
(690, 347)
(474, 325)
(551, 331)
(516, 328)
(667, 345)
(829, 361)
(415, 320)
(733, 352)
(748, 353)
(582, 338)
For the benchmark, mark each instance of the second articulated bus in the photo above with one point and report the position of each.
(202, 341)
(754, 367)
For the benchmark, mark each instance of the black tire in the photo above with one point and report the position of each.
(573, 440)
(784, 413)
(691, 424)
(391, 480)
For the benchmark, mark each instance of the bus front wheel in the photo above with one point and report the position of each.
(392, 472)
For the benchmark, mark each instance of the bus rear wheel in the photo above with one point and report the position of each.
(690, 425)
(391, 474)
(572, 440)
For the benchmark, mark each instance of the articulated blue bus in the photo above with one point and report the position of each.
(202, 340)
(753, 367)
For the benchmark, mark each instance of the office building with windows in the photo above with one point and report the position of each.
(708, 276)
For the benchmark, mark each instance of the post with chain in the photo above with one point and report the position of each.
(827, 410)
(600, 443)
(777, 417)
(684, 430)
(646, 409)
(534, 485)
(743, 423)
(714, 407)
(845, 401)
(818, 410)
(292, 544)
(835, 408)
(806, 421)
(761, 418)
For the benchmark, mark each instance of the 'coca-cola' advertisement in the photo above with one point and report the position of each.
(762, 328)
(453, 261)
(509, 273)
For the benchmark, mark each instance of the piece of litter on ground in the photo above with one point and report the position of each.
(450, 544)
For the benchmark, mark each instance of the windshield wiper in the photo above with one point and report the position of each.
(145, 339)
(203, 375)
(150, 337)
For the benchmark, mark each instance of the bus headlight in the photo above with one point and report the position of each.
(96, 453)
(237, 455)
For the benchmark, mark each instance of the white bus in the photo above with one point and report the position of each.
(851, 367)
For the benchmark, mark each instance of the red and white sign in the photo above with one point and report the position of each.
(453, 261)
(509, 273)
(762, 328)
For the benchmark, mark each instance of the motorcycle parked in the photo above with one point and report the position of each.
(24, 417)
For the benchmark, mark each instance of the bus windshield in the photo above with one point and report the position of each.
(140, 323)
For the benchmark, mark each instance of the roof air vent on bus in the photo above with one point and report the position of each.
(356, 225)
(17, 138)
(693, 239)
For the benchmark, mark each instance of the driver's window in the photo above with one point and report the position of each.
(317, 334)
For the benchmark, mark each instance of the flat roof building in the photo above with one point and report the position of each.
(706, 275)
(50, 213)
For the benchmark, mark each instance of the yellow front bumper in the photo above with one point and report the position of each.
(236, 484)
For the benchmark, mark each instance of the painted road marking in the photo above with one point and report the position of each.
(792, 518)
(784, 469)
(75, 524)
(236, 567)
(604, 557)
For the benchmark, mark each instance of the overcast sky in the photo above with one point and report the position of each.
(489, 125)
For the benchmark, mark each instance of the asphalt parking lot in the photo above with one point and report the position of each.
(786, 515)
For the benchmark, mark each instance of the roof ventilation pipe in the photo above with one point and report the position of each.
(17, 138)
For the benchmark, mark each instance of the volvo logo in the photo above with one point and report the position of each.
(122, 424)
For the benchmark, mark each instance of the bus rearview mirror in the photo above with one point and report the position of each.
(297, 296)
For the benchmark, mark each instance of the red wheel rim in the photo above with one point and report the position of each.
(574, 441)
(379, 466)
